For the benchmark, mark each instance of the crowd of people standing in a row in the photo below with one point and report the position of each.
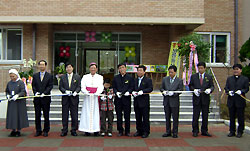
(101, 97)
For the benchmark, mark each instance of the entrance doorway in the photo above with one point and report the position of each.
(106, 59)
(72, 47)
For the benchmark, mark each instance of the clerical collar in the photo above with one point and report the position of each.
(236, 77)
(122, 75)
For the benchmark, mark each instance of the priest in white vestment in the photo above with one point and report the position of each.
(91, 86)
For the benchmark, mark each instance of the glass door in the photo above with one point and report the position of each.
(105, 59)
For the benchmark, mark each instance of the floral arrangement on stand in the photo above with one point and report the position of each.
(26, 73)
(192, 47)
(60, 70)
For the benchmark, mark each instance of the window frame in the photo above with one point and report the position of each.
(228, 47)
(5, 42)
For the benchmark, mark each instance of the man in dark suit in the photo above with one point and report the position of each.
(70, 84)
(236, 85)
(171, 100)
(42, 84)
(202, 85)
(123, 85)
(141, 102)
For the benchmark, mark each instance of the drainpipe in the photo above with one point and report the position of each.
(236, 32)
(34, 42)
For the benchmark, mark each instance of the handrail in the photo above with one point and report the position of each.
(218, 85)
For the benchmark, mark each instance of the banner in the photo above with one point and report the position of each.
(174, 58)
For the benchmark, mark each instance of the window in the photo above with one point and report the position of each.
(10, 44)
(220, 47)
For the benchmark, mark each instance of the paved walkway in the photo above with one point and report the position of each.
(218, 142)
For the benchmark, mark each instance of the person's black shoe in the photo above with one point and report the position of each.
(38, 134)
(231, 134)
(96, 134)
(12, 134)
(18, 134)
(166, 135)
(144, 136)
(175, 135)
(45, 134)
(195, 134)
(64, 134)
(73, 133)
(87, 134)
(239, 135)
(137, 134)
(128, 134)
(120, 134)
(206, 134)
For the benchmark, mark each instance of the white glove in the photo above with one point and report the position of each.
(103, 98)
(165, 93)
(170, 93)
(119, 94)
(110, 96)
(238, 92)
(140, 92)
(126, 94)
(196, 92)
(42, 95)
(37, 93)
(8, 97)
(14, 98)
(86, 93)
(134, 93)
(75, 94)
(231, 93)
(208, 91)
(68, 92)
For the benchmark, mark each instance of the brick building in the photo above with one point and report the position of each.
(39, 29)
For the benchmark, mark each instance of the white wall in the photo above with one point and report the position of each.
(3, 107)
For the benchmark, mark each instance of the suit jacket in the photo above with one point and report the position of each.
(232, 85)
(75, 87)
(44, 86)
(146, 86)
(177, 85)
(123, 85)
(207, 84)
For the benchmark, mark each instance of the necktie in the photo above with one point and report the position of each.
(171, 80)
(201, 80)
(139, 82)
(69, 79)
(42, 75)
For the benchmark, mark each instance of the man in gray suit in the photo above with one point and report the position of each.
(70, 84)
(171, 100)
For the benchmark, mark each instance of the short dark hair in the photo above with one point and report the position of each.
(143, 67)
(107, 80)
(237, 66)
(69, 64)
(93, 65)
(121, 64)
(173, 67)
(201, 64)
(43, 61)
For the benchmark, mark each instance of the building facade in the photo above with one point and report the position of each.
(103, 30)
